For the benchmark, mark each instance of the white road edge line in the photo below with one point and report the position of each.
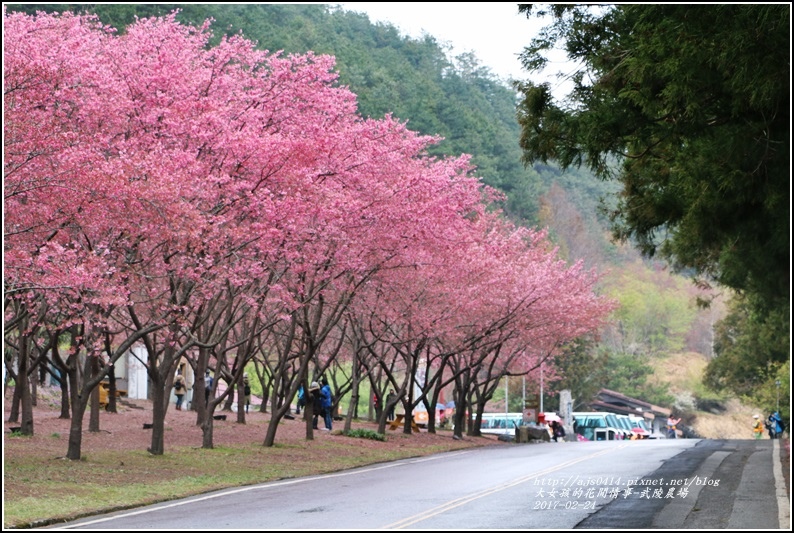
(783, 505)
(268, 485)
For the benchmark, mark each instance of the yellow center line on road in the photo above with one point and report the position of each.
(411, 520)
(262, 486)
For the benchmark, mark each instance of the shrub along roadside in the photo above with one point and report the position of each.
(366, 434)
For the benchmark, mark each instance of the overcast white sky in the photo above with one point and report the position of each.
(493, 31)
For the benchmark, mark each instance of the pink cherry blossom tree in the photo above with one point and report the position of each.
(218, 202)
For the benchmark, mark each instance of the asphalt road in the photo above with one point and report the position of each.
(661, 484)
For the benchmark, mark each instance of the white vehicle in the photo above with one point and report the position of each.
(597, 426)
(500, 423)
(639, 427)
(612, 421)
(626, 426)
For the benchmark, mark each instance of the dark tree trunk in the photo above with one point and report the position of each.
(265, 395)
(240, 400)
(207, 432)
(74, 383)
(229, 401)
(309, 413)
(111, 407)
(16, 400)
(80, 399)
(408, 404)
(62, 375)
(459, 395)
(65, 403)
(26, 404)
(158, 417)
(34, 392)
(76, 432)
(200, 386)
(353, 407)
(208, 425)
(93, 420)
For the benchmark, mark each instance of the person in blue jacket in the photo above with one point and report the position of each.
(775, 425)
(327, 401)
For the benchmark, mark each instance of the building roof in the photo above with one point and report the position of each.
(612, 408)
(609, 400)
(661, 410)
(611, 396)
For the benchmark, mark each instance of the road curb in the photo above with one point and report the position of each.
(783, 505)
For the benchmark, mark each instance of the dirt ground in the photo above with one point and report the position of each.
(124, 430)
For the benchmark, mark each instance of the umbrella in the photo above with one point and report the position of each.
(440, 407)
(451, 404)
(639, 431)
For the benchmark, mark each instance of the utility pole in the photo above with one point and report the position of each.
(507, 390)
(777, 385)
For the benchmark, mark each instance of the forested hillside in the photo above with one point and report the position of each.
(459, 100)
(690, 110)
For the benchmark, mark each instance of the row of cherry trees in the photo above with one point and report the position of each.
(225, 204)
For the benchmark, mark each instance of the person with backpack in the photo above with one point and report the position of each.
(180, 388)
(327, 404)
(758, 427)
(775, 425)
